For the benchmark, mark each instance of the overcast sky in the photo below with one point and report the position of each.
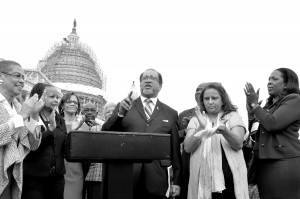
(189, 42)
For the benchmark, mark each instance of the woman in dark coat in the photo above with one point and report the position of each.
(277, 145)
(44, 168)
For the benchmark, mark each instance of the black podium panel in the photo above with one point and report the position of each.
(117, 146)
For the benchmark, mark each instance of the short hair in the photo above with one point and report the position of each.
(66, 97)
(200, 87)
(5, 65)
(108, 104)
(160, 80)
(39, 89)
(227, 104)
(198, 91)
(89, 103)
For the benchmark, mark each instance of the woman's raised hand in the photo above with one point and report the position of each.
(52, 121)
(201, 118)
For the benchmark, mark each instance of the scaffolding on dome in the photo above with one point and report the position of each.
(57, 47)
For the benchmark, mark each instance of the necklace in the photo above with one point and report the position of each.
(45, 119)
(213, 120)
(43, 116)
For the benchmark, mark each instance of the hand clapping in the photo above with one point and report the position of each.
(31, 106)
(251, 97)
(201, 118)
(222, 128)
(52, 122)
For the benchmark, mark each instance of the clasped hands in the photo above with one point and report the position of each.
(204, 131)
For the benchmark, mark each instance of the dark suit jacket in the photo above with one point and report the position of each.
(186, 113)
(278, 130)
(185, 155)
(50, 152)
(163, 120)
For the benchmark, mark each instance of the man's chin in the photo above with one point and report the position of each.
(147, 92)
(17, 92)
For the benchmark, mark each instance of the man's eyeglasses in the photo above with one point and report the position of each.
(15, 75)
(149, 77)
(89, 110)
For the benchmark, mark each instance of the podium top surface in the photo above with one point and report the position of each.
(103, 146)
(125, 133)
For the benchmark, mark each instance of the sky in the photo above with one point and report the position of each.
(187, 41)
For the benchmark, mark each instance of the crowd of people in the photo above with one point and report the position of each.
(206, 141)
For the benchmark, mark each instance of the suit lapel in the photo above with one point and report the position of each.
(156, 110)
(139, 105)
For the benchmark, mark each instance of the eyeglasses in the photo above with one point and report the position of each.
(149, 77)
(71, 101)
(15, 75)
(89, 110)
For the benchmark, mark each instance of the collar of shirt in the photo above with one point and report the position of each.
(152, 105)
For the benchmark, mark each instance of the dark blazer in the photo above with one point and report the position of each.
(278, 130)
(185, 155)
(50, 153)
(186, 113)
(163, 120)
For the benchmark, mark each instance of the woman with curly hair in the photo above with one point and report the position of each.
(215, 139)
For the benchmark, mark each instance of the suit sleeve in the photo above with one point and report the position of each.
(176, 155)
(285, 114)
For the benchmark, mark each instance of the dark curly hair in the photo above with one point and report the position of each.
(66, 97)
(39, 89)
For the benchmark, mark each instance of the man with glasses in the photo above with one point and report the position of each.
(147, 114)
(93, 171)
(19, 128)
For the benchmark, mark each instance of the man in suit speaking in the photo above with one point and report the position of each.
(147, 114)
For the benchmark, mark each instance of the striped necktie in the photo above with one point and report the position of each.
(148, 109)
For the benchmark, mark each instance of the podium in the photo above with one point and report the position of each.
(119, 150)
